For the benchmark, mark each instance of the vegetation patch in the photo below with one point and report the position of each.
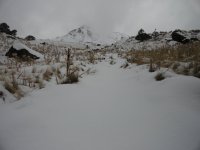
(160, 76)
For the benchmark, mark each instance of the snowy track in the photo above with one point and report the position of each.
(114, 109)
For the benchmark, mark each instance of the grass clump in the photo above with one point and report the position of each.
(47, 75)
(112, 62)
(125, 65)
(72, 78)
(34, 69)
(14, 89)
(160, 76)
(41, 84)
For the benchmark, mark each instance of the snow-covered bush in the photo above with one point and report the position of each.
(47, 74)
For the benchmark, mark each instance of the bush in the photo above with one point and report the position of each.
(91, 57)
(47, 75)
(14, 89)
(125, 65)
(72, 78)
(151, 69)
(159, 77)
(34, 69)
(58, 73)
(175, 66)
(112, 62)
(41, 84)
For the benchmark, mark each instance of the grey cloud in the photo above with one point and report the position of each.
(51, 18)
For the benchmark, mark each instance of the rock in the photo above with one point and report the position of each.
(22, 54)
(194, 39)
(142, 36)
(178, 36)
(4, 28)
(30, 38)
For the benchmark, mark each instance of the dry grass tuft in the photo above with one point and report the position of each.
(159, 77)
(47, 75)
(14, 89)
(72, 78)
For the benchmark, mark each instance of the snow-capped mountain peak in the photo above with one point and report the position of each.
(86, 34)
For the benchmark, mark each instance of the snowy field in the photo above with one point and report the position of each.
(113, 109)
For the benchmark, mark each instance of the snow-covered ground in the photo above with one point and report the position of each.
(114, 109)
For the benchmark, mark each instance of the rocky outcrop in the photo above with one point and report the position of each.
(30, 38)
(22, 54)
(178, 36)
(4, 28)
(142, 36)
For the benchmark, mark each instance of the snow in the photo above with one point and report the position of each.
(113, 109)
(18, 46)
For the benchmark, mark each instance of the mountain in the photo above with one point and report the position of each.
(85, 34)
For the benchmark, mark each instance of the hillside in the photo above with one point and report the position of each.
(158, 40)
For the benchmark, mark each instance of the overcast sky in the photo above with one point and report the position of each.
(52, 18)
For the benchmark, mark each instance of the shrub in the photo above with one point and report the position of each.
(197, 75)
(151, 69)
(53, 68)
(196, 69)
(125, 65)
(112, 62)
(37, 79)
(19, 94)
(47, 75)
(186, 71)
(58, 73)
(175, 66)
(41, 84)
(159, 77)
(91, 57)
(34, 69)
(14, 89)
(72, 78)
